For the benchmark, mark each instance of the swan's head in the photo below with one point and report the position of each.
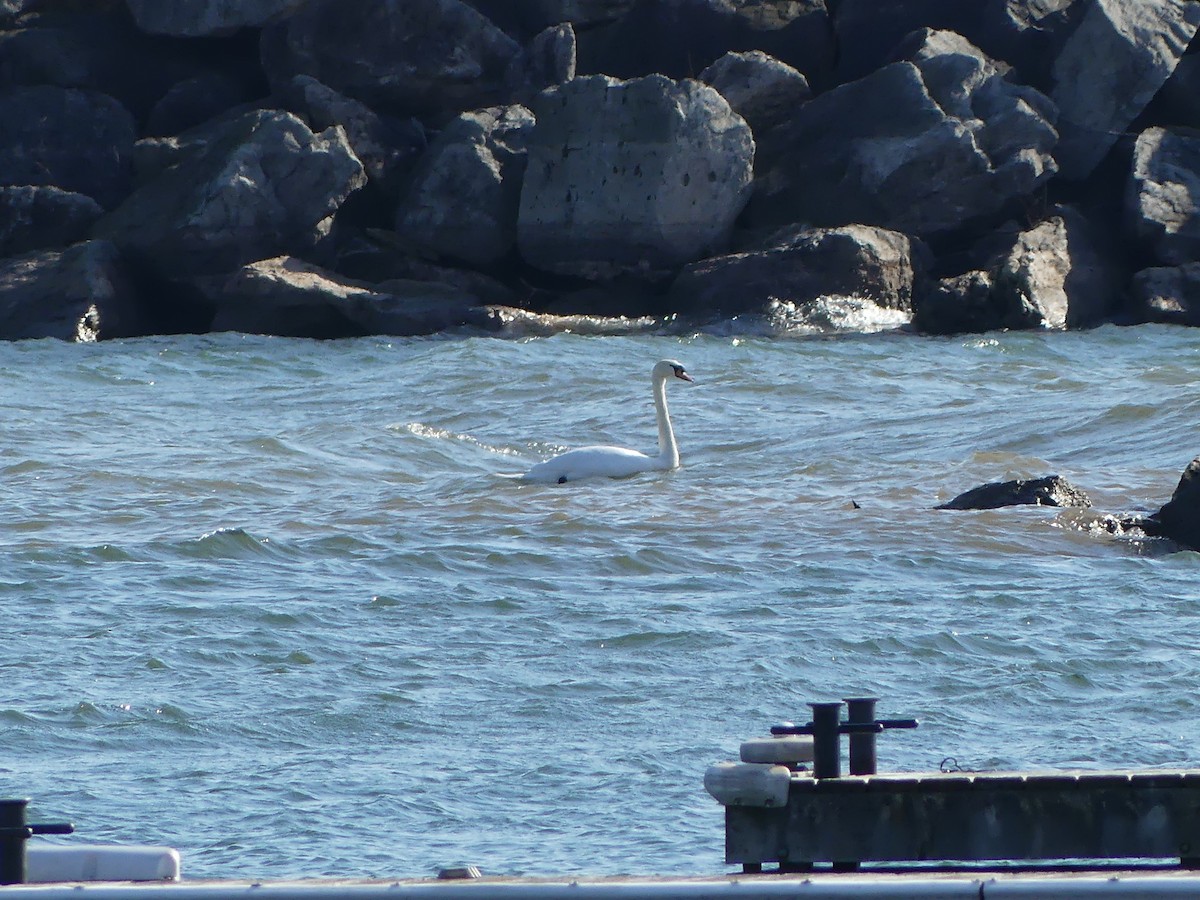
(670, 368)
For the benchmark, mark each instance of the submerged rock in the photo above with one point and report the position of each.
(1179, 518)
(1048, 491)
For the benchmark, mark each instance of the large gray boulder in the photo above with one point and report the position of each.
(1111, 66)
(921, 146)
(464, 196)
(1179, 518)
(79, 141)
(263, 186)
(398, 56)
(42, 218)
(291, 298)
(1168, 294)
(1054, 275)
(1163, 196)
(801, 266)
(205, 18)
(81, 293)
(761, 89)
(639, 175)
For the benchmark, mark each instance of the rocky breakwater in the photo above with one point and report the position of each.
(328, 168)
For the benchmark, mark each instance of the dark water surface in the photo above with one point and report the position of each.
(268, 603)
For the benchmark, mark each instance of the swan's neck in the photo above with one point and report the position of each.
(668, 450)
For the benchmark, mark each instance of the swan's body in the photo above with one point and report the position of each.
(619, 462)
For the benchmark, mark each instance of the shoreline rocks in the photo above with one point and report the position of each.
(995, 165)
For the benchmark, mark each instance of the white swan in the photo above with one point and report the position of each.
(618, 462)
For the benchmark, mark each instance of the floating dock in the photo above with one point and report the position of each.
(799, 833)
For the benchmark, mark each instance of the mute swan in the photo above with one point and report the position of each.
(618, 462)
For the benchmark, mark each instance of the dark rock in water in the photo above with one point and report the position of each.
(78, 294)
(801, 265)
(80, 141)
(1179, 519)
(262, 186)
(1110, 68)
(1049, 491)
(1163, 197)
(41, 218)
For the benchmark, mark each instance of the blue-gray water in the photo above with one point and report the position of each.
(266, 602)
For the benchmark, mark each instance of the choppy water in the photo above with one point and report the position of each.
(266, 602)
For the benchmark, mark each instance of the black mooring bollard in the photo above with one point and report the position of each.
(859, 711)
(826, 723)
(826, 727)
(14, 832)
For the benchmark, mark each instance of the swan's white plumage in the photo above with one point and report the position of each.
(619, 462)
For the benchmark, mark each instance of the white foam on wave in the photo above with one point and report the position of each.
(835, 314)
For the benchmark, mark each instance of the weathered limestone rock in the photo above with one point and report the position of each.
(679, 38)
(1163, 198)
(1051, 490)
(79, 141)
(1053, 275)
(1111, 66)
(1026, 34)
(1168, 294)
(1179, 518)
(204, 18)
(802, 266)
(287, 297)
(921, 146)
(759, 88)
(77, 294)
(399, 56)
(42, 218)
(465, 194)
(265, 186)
(631, 176)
